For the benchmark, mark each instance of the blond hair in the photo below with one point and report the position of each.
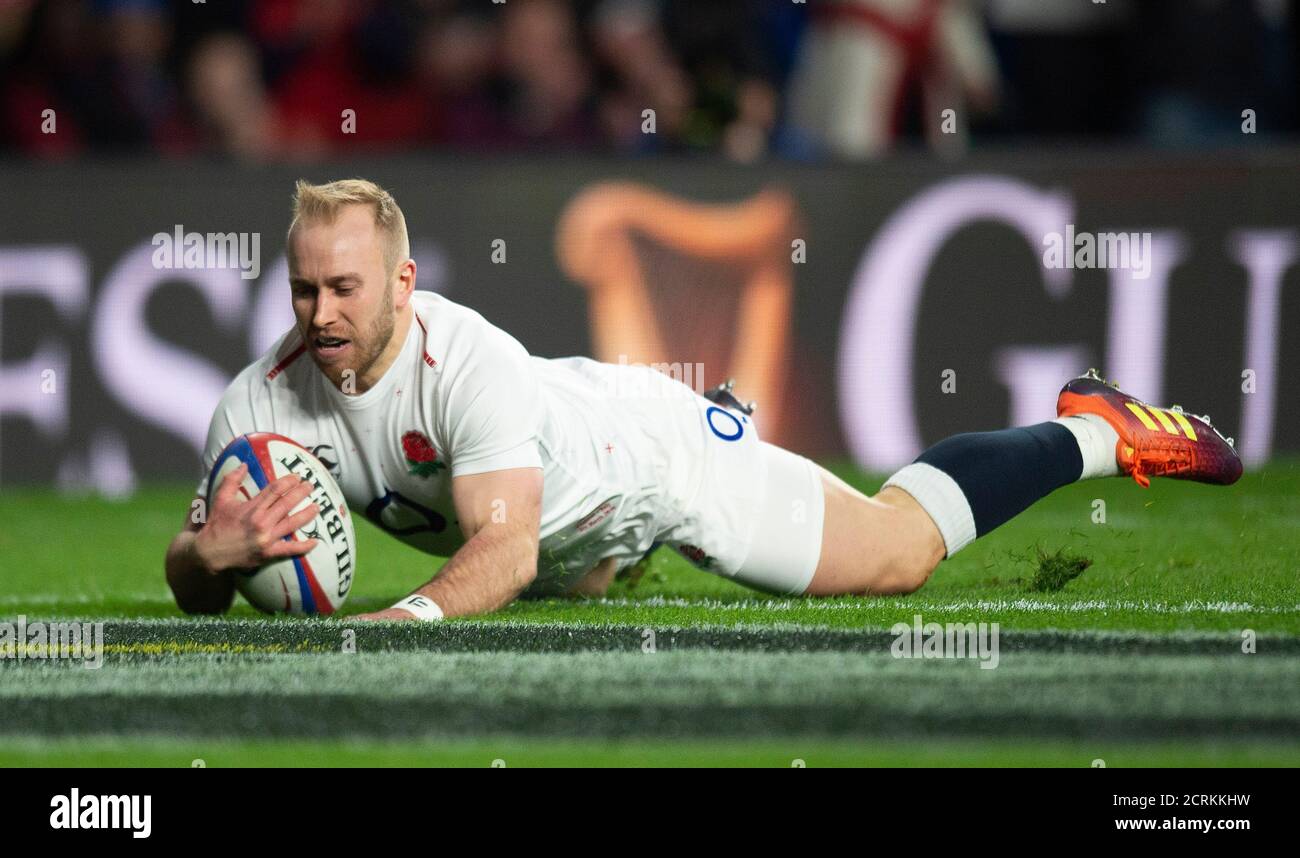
(323, 203)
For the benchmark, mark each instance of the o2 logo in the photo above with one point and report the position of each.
(403, 517)
(724, 424)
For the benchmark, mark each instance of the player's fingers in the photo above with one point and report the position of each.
(288, 525)
(289, 548)
(290, 499)
(273, 492)
(230, 484)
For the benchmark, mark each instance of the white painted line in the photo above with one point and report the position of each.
(1073, 607)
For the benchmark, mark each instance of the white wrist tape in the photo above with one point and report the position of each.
(423, 607)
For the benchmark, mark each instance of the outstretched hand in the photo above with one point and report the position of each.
(246, 534)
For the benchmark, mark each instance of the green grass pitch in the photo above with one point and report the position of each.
(1137, 661)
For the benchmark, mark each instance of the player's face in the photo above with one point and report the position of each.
(342, 293)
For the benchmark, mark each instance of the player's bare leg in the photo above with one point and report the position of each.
(967, 485)
(880, 545)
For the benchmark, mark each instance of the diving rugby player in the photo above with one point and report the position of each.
(548, 476)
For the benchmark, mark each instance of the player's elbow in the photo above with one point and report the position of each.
(201, 597)
(195, 591)
(195, 607)
(524, 579)
(525, 565)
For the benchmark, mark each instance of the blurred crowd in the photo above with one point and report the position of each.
(265, 80)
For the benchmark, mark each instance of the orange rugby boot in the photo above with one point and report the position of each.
(1153, 442)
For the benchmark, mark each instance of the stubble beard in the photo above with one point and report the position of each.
(378, 336)
(370, 347)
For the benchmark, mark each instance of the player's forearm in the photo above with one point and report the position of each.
(197, 590)
(487, 573)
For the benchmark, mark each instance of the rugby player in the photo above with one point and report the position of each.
(548, 476)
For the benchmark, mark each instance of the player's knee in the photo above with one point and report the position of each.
(882, 546)
(913, 553)
(904, 571)
(906, 564)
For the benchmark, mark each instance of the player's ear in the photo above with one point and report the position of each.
(405, 283)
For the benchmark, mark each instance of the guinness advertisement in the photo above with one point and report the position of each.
(869, 310)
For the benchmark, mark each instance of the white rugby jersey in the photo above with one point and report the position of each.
(620, 446)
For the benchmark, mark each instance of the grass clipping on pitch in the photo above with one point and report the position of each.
(1052, 571)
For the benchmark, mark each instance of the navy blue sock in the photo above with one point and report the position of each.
(1001, 473)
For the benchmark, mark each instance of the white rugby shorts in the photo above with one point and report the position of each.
(757, 517)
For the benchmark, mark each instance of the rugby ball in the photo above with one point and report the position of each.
(317, 582)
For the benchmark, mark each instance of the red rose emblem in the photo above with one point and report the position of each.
(420, 454)
(417, 447)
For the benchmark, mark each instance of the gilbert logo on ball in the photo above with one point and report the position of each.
(317, 582)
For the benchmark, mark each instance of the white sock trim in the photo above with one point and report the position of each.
(941, 498)
(1097, 440)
